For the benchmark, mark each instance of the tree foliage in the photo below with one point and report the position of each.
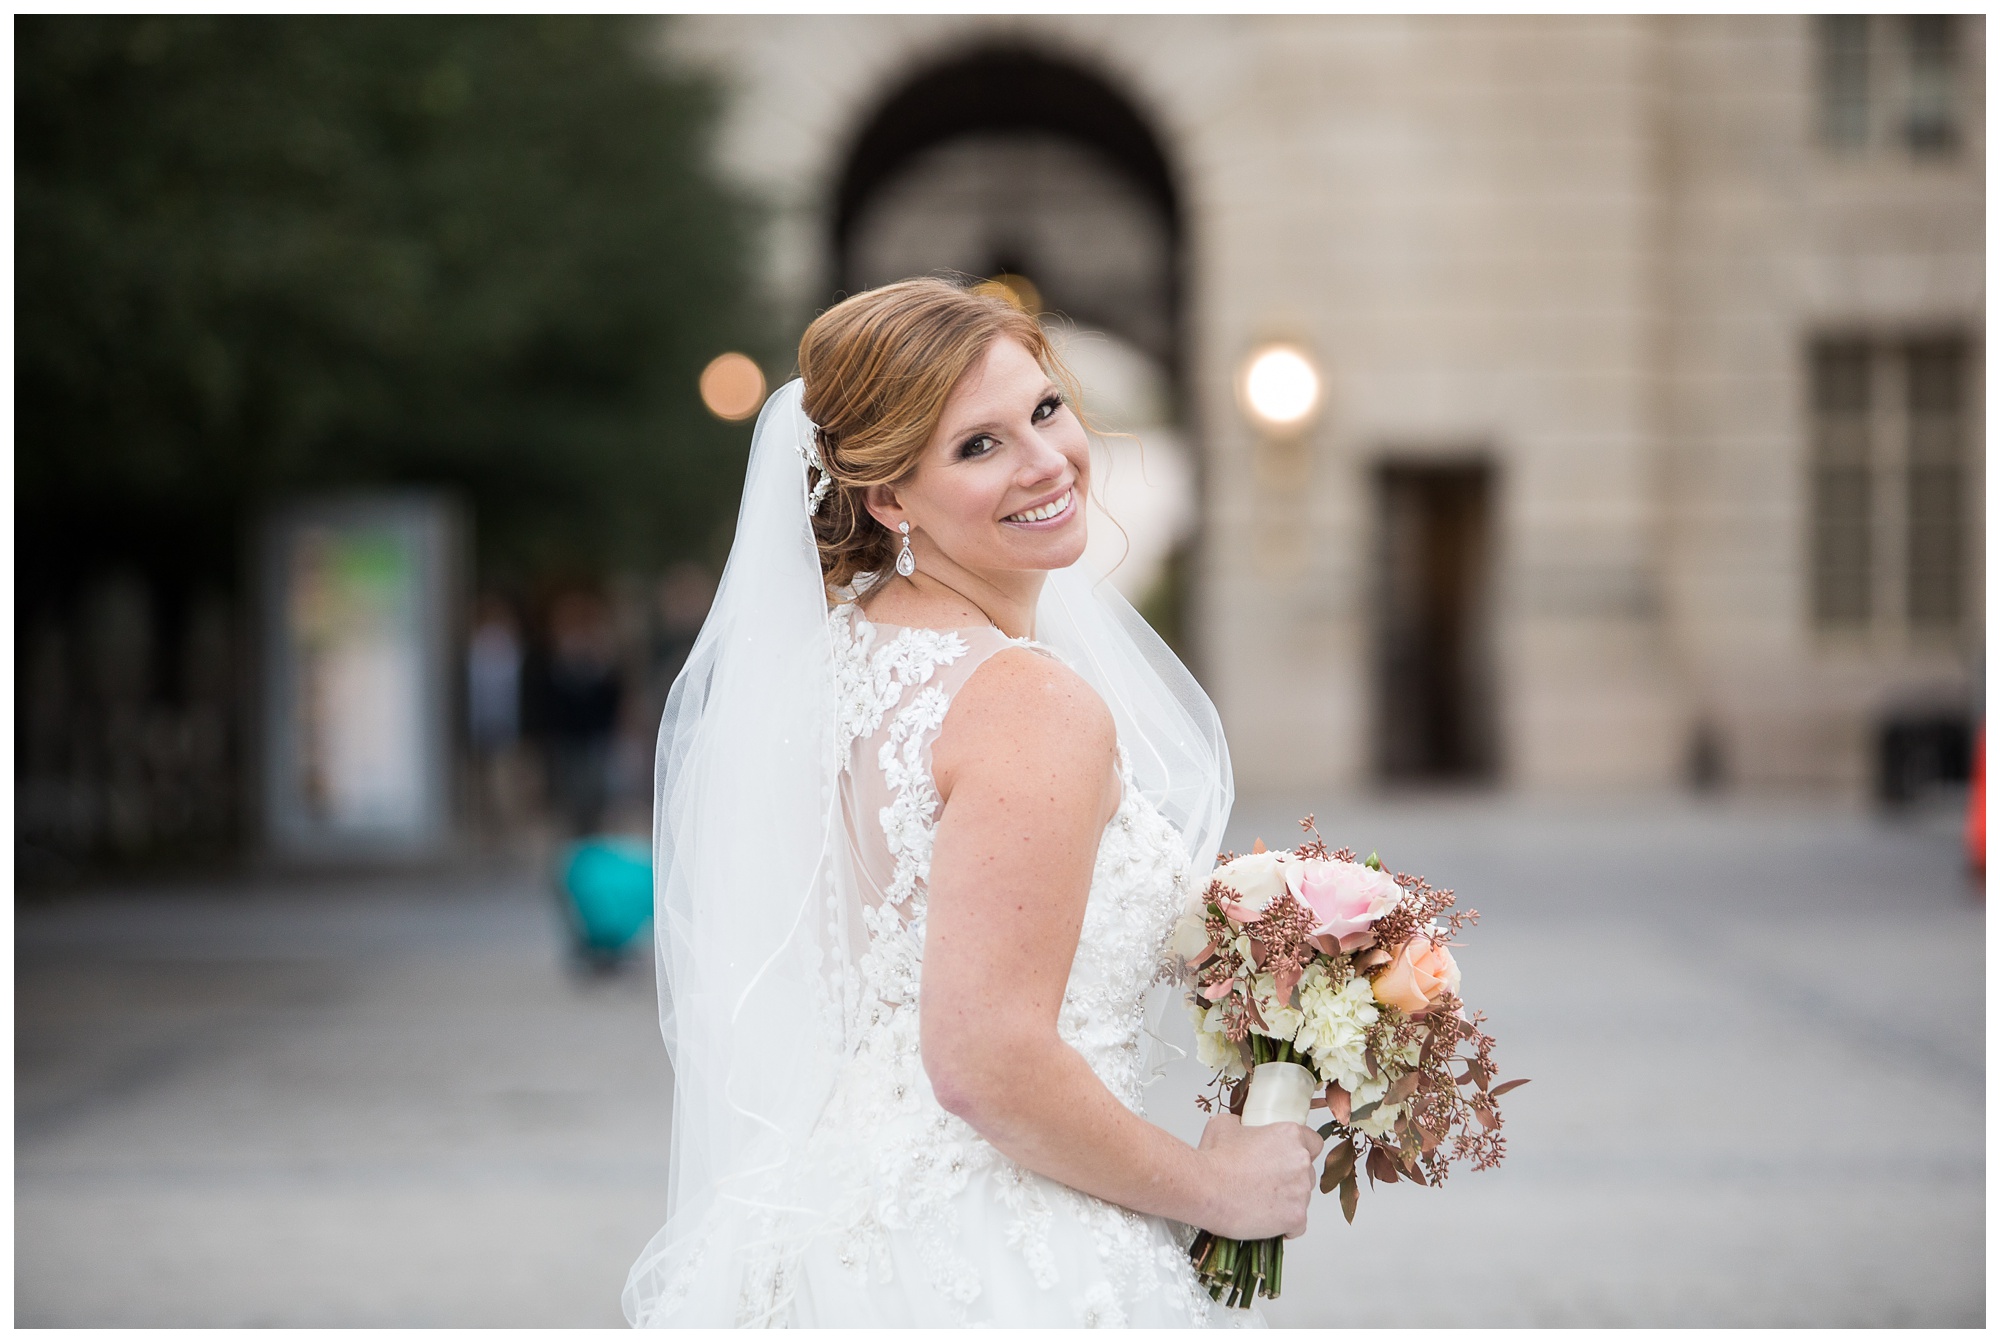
(260, 255)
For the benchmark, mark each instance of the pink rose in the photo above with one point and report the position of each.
(1346, 898)
(1418, 974)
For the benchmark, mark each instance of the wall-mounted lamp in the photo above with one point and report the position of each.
(1279, 388)
(732, 386)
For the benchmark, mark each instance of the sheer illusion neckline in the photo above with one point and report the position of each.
(1120, 763)
(866, 619)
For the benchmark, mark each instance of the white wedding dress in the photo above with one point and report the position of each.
(911, 1217)
(814, 1179)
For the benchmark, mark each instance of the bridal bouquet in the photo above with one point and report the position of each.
(1316, 980)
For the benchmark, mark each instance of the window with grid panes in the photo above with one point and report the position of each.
(1934, 486)
(1843, 79)
(1888, 79)
(1930, 52)
(1890, 432)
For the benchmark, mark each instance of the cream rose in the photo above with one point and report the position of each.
(1253, 882)
(1190, 936)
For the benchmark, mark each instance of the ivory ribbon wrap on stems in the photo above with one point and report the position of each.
(1280, 1093)
(1240, 1271)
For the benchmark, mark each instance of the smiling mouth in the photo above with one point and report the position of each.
(1054, 508)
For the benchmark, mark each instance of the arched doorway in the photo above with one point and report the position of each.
(1007, 160)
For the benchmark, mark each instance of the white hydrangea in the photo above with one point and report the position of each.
(1403, 1057)
(1396, 1061)
(1334, 1026)
(1382, 1119)
(1212, 1044)
(1282, 1019)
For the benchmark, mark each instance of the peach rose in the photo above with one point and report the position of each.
(1345, 897)
(1419, 972)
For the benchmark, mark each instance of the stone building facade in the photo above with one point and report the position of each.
(1651, 349)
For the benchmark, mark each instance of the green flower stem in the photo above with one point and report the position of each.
(1237, 1272)
(1263, 1049)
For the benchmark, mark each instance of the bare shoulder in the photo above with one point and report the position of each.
(1026, 715)
(1020, 691)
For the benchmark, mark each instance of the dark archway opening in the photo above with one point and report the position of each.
(1055, 175)
(1002, 90)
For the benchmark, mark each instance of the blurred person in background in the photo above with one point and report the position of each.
(655, 640)
(493, 708)
(581, 696)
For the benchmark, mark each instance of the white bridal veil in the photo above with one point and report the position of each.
(749, 845)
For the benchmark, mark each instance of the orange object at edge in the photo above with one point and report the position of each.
(1975, 806)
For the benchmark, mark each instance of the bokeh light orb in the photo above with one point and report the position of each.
(732, 386)
(1018, 290)
(1280, 386)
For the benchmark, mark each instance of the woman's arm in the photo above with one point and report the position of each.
(1024, 765)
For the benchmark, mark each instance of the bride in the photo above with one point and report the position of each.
(928, 803)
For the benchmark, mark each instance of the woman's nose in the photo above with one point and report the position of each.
(1043, 461)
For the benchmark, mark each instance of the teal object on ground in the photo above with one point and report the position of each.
(610, 887)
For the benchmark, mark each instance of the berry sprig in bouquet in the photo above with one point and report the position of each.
(1319, 980)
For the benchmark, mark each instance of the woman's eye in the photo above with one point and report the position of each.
(1048, 407)
(977, 446)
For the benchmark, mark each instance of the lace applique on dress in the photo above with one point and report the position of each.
(904, 1166)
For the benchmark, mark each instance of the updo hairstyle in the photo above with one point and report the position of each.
(878, 368)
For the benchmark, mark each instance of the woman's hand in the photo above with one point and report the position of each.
(1262, 1177)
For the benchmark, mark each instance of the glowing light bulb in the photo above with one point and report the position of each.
(1280, 387)
(732, 386)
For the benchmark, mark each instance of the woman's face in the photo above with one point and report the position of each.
(1002, 483)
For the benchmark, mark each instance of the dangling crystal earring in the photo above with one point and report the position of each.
(906, 563)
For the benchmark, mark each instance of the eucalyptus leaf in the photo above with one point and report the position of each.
(1339, 1166)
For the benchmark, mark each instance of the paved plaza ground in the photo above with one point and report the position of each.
(1756, 1033)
